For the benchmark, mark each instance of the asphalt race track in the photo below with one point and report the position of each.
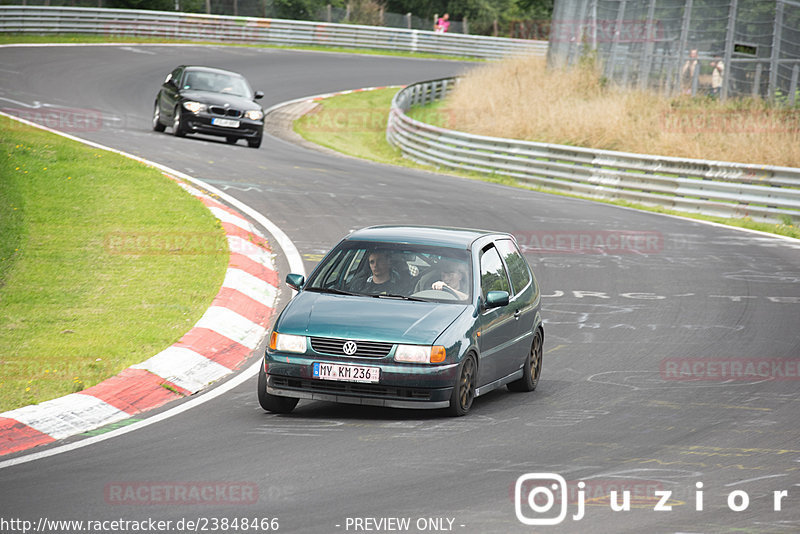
(640, 344)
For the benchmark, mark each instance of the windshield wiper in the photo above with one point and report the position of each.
(330, 290)
(403, 297)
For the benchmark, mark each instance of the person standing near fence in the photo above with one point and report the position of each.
(443, 24)
(690, 68)
(717, 76)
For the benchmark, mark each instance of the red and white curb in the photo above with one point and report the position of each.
(224, 337)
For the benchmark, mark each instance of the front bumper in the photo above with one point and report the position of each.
(202, 123)
(400, 386)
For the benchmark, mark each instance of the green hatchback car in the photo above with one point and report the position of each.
(407, 317)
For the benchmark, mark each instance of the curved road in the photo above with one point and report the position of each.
(612, 409)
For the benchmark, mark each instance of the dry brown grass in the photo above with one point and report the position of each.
(519, 98)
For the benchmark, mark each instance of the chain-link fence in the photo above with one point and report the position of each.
(724, 48)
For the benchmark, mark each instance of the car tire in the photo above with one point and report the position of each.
(254, 143)
(157, 124)
(273, 403)
(532, 369)
(178, 129)
(464, 391)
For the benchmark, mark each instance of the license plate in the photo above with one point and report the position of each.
(225, 123)
(348, 373)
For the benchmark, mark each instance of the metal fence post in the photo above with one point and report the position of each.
(793, 84)
(647, 49)
(726, 74)
(757, 80)
(776, 50)
(687, 19)
(615, 44)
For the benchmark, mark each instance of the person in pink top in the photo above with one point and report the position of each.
(443, 24)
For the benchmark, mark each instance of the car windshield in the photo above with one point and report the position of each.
(391, 270)
(217, 82)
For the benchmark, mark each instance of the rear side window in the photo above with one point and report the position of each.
(518, 269)
(493, 273)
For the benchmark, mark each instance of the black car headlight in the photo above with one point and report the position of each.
(194, 107)
(254, 114)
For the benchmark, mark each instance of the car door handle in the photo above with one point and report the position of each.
(517, 314)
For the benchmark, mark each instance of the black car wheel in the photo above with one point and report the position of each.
(273, 403)
(157, 125)
(178, 129)
(464, 390)
(533, 367)
(254, 143)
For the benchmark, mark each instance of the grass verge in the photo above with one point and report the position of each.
(520, 98)
(104, 262)
(355, 124)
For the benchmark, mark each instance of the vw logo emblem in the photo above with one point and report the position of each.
(349, 348)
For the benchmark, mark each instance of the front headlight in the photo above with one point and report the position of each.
(419, 354)
(194, 107)
(254, 114)
(287, 343)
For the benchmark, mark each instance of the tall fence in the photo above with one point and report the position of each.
(718, 47)
(218, 28)
(714, 188)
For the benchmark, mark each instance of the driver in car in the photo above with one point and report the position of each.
(383, 280)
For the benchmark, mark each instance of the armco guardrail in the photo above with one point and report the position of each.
(764, 193)
(218, 28)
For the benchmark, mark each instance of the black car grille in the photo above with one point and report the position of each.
(350, 388)
(364, 349)
(225, 112)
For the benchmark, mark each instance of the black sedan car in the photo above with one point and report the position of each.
(209, 101)
(407, 317)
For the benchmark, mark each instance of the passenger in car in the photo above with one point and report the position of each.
(453, 280)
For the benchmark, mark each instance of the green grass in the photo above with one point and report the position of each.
(355, 124)
(104, 262)
(27, 38)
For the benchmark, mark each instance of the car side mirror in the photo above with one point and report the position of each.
(259, 94)
(295, 281)
(496, 299)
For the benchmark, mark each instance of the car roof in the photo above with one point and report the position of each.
(422, 235)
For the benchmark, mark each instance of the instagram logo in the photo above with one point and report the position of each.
(538, 492)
